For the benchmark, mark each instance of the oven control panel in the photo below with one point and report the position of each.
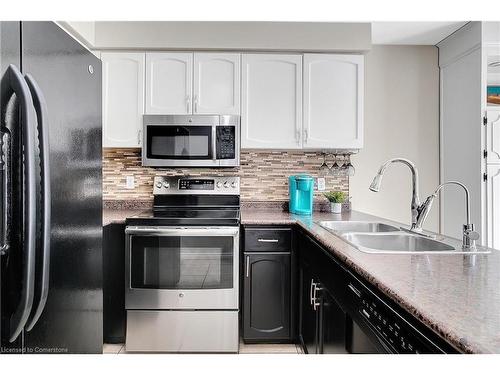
(197, 184)
(164, 185)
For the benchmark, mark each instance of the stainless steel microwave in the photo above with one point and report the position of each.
(191, 141)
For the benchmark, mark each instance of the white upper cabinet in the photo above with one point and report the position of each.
(493, 136)
(122, 98)
(169, 79)
(271, 106)
(216, 87)
(333, 101)
(266, 89)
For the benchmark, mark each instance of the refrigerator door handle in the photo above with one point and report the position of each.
(5, 144)
(11, 83)
(44, 244)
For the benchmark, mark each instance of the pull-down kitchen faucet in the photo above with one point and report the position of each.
(416, 207)
(419, 211)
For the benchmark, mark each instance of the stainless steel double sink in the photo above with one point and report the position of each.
(377, 237)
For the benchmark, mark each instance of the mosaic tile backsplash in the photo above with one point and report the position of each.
(264, 174)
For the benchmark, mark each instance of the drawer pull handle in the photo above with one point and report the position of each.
(311, 298)
(266, 240)
(316, 288)
(354, 290)
(365, 313)
(248, 267)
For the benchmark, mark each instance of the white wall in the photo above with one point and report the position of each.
(401, 120)
(83, 31)
(263, 36)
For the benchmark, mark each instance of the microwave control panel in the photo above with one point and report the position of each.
(226, 142)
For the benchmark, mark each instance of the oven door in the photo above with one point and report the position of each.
(182, 268)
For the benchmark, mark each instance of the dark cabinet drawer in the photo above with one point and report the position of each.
(268, 239)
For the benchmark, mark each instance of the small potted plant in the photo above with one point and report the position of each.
(336, 199)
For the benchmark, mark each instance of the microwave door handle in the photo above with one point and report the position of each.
(13, 82)
(214, 144)
(43, 135)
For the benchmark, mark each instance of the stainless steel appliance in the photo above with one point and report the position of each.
(191, 141)
(51, 192)
(182, 269)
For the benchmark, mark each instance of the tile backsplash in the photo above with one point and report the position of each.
(264, 174)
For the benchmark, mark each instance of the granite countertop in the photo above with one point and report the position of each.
(118, 216)
(456, 295)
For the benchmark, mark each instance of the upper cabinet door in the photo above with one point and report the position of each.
(216, 83)
(493, 136)
(122, 98)
(271, 107)
(333, 101)
(169, 80)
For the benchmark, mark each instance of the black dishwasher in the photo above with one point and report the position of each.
(378, 328)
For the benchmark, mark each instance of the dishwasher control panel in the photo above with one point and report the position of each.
(390, 328)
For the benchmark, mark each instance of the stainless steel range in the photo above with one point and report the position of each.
(182, 267)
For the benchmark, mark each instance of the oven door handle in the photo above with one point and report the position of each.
(184, 231)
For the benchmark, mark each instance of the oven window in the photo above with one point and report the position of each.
(179, 142)
(181, 262)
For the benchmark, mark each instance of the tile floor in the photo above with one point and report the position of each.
(244, 349)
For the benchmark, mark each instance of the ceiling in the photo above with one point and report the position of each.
(417, 33)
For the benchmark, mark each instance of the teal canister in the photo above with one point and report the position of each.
(301, 189)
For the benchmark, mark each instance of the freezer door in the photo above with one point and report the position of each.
(69, 76)
(10, 282)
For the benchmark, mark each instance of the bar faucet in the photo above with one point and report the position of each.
(470, 236)
(416, 208)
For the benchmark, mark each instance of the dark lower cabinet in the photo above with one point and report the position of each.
(286, 273)
(308, 325)
(266, 297)
(113, 253)
(322, 320)
(341, 313)
(332, 325)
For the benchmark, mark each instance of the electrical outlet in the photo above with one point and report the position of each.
(321, 184)
(130, 182)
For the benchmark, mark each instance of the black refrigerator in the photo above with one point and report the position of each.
(51, 192)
